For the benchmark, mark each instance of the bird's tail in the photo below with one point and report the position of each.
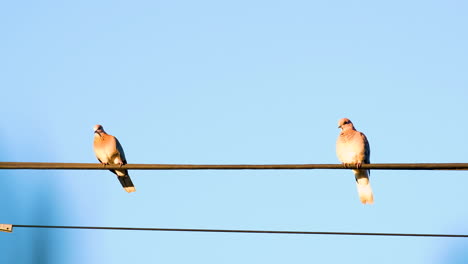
(127, 183)
(363, 186)
(125, 180)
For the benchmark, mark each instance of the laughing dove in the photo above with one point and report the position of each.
(352, 147)
(109, 151)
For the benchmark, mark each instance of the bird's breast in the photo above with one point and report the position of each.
(104, 150)
(348, 151)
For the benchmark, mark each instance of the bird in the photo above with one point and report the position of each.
(109, 151)
(352, 148)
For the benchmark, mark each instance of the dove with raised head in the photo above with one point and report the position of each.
(352, 148)
(109, 151)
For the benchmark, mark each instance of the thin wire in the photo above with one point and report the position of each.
(97, 166)
(242, 231)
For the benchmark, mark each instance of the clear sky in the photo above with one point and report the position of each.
(233, 82)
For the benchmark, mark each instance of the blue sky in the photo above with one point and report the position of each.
(233, 82)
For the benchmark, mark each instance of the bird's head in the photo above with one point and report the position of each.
(98, 129)
(345, 124)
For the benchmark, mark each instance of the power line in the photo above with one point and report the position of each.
(240, 231)
(97, 166)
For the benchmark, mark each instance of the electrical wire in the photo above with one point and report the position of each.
(97, 166)
(242, 231)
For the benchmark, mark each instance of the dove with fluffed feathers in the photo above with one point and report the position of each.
(352, 148)
(109, 151)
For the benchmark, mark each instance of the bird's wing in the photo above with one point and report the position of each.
(120, 151)
(366, 148)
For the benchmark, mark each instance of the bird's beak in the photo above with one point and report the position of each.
(339, 126)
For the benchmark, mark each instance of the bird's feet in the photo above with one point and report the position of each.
(348, 165)
(358, 164)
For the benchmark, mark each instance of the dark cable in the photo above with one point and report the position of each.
(242, 231)
(97, 166)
